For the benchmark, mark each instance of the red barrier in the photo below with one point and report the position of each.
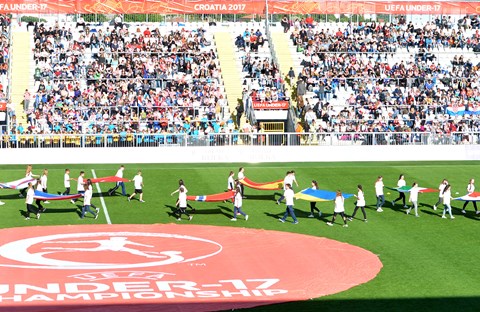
(237, 7)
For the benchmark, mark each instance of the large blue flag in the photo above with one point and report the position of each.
(319, 195)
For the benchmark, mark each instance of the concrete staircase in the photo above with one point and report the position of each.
(21, 71)
(280, 42)
(230, 72)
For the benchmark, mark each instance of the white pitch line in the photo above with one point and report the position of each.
(105, 210)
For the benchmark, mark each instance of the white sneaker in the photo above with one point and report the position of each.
(281, 220)
(190, 218)
(96, 216)
(393, 203)
(329, 223)
(452, 217)
(434, 207)
(142, 201)
(319, 214)
(179, 219)
(2, 203)
(97, 210)
(27, 218)
(443, 217)
(365, 220)
(417, 215)
(233, 219)
(311, 216)
(405, 206)
(350, 219)
(72, 201)
(38, 216)
(408, 211)
(380, 209)
(464, 212)
(20, 195)
(46, 202)
(345, 225)
(477, 212)
(246, 218)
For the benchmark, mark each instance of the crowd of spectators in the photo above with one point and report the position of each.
(373, 76)
(4, 53)
(388, 76)
(116, 78)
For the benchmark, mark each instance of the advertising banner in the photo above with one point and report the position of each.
(237, 7)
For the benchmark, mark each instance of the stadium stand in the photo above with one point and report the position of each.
(138, 82)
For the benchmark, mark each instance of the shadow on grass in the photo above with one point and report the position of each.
(200, 211)
(11, 196)
(263, 197)
(378, 305)
(465, 304)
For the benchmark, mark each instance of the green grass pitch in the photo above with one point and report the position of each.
(430, 264)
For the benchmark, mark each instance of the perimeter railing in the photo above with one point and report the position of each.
(146, 139)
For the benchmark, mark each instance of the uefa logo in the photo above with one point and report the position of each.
(105, 250)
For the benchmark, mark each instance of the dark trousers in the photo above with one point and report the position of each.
(39, 204)
(313, 207)
(30, 209)
(474, 205)
(363, 211)
(401, 196)
(342, 214)
(181, 211)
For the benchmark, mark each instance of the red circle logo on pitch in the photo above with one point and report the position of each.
(200, 267)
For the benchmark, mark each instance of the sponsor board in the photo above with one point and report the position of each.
(270, 105)
(238, 7)
(172, 267)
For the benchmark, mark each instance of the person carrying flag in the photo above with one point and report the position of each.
(119, 174)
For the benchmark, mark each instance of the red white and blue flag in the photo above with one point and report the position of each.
(46, 196)
(475, 196)
(18, 184)
(456, 110)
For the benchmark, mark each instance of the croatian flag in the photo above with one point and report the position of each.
(475, 196)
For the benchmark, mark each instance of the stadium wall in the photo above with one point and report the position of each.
(239, 154)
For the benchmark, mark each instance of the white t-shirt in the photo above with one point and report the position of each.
(414, 194)
(43, 181)
(241, 175)
(66, 180)
(339, 204)
(238, 200)
(230, 183)
(379, 188)
(119, 173)
(470, 188)
(138, 181)
(360, 199)
(441, 187)
(80, 184)
(87, 198)
(401, 183)
(30, 194)
(182, 199)
(289, 197)
(446, 197)
(287, 180)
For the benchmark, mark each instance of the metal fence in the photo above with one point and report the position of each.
(228, 139)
